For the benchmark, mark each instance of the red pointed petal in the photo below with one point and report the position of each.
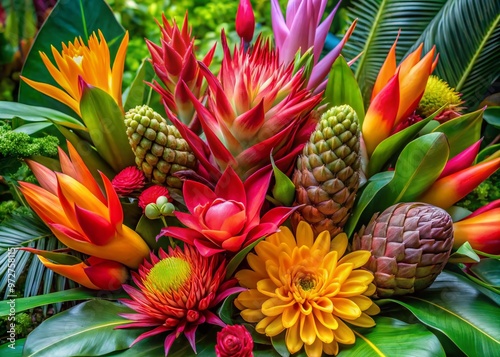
(256, 187)
(248, 124)
(387, 70)
(462, 160)
(486, 208)
(46, 177)
(230, 187)
(107, 275)
(113, 203)
(95, 227)
(196, 194)
(206, 249)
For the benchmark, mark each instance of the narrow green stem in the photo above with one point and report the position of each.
(172, 243)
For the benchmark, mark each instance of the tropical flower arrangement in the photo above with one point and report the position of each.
(275, 204)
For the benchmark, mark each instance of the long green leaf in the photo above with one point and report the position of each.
(454, 306)
(67, 20)
(413, 340)
(6, 349)
(418, 166)
(9, 110)
(27, 303)
(467, 36)
(365, 202)
(378, 24)
(462, 131)
(26, 231)
(87, 329)
(140, 92)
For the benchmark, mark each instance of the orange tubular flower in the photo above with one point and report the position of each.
(80, 216)
(396, 94)
(482, 231)
(92, 63)
(413, 75)
(452, 188)
(95, 273)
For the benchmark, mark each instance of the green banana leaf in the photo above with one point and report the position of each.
(27, 231)
(7, 351)
(88, 329)
(454, 306)
(467, 37)
(68, 20)
(342, 88)
(412, 340)
(379, 22)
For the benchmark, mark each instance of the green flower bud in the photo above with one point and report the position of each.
(167, 209)
(162, 200)
(152, 211)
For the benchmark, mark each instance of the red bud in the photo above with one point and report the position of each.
(245, 20)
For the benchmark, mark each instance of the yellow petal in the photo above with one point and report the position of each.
(275, 328)
(257, 264)
(55, 93)
(358, 258)
(342, 272)
(326, 319)
(266, 251)
(345, 308)
(362, 276)
(248, 278)
(291, 315)
(117, 71)
(266, 287)
(275, 306)
(343, 334)
(362, 301)
(292, 339)
(251, 299)
(307, 329)
(323, 304)
(304, 234)
(339, 244)
(371, 290)
(373, 310)
(252, 316)
(314, 350)
(331, 348)
(351, 288)
(323, 333)
(262, 325)
(322, 243)
(363, 321)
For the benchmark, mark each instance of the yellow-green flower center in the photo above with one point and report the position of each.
(307, 283)
(168, 274)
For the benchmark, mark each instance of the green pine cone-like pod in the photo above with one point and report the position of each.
(327, 174)
(159, 148)
(410, 245)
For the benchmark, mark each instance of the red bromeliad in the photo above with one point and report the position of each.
(175, 63)
(229, 218)
(256, 106)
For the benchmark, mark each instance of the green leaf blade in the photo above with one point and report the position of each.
(89, 330)
(454, 306)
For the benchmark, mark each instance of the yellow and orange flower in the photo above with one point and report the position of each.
(72, 204)
(91, 63)
(301, 286)
(177, 291)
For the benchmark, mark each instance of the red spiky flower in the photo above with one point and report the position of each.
(175, 294)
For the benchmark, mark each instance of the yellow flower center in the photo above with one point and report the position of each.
(167, 275)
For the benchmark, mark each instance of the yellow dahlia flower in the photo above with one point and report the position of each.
(299, 285)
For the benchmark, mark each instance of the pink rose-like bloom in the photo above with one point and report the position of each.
(151, 194)
(229, 218)
(234, 341)
(128, 180)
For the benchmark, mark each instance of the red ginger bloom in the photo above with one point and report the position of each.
(175, 63)
(151, 194)
(229, 218)
(245, 20)
(128, 180)
(234, 341)
(176, 292)
(256, 106)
